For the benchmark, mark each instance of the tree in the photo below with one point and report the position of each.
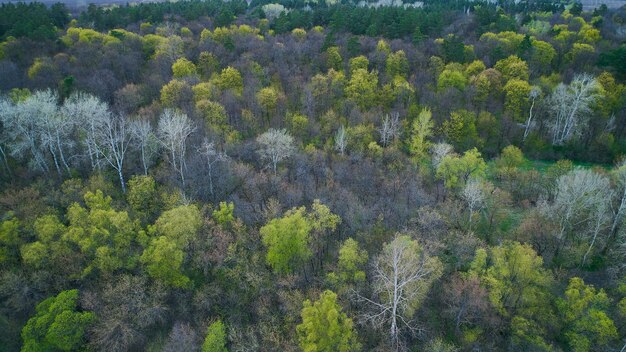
(517, 93)
(113, 139)
(275, 146)
(535, 92)
(212, 156)
(450, 78)
(514, 275)
(145, 140)
(325, 328)
(474, 196)
(230, 78)
(402, 276)
(351, 263)
(183, 68)
(215, 340)
(144, 198)
(341, 140)
(175, 93)
(421, 130)
(390, 129)
(581, 209)
(163, 261)
(512, 68)
(571, 107)
(457, 170)
(362, 88)
(397, 64)
(583, 310)
(173, 130)
(287, 241)
(89, 112)
(57, 325)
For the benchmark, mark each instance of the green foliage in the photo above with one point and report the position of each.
(517, 98)
(144, 198)
(333, 58)
(224, 214)
(215, 340)
(584, 311)
(183, 68)
(421, 130)
(180, 224)
(174, 92)
(397, 64)
(460, 130)
(359, 63)
(351, 264)
(57, 325)
(325, 328)
(512, 67)
(287, 241)
(451, 79)
(362, 88)
(455, 170)
(230, 78)
(163, 260)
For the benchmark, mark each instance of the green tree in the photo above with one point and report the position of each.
(397, 65)
(180, 224)
(207, 64)
(456, 170)
(333, 58)
(230, 78)
(351, 264)
(359, 63)
(583, 311)
(215, 340)
(421, 130)
(175, 92)
(164, 260)
(325, 328)
(517, 93)
(451, 79)
(512, 67)
(362, 88)
(183, 68)
(287, 241)
(57, 325)
(144, 198)
(461, 130)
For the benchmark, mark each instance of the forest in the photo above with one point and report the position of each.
(317, 176)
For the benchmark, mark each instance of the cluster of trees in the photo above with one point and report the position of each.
(207, 176)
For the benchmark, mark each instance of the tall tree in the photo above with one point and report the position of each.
(275, 146)
(402, 276)
(325, 328)
(173, 131)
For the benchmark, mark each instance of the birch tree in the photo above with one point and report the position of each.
(474, 196)
(22, 133)
(173, 130)
(90, 113)
(421, 130)
(113, 140)
(390, 129)
(535, 92)
(341, 140)
(571, 107)
(275, 146)
(581, 208)
(212, 156)
(145, 141)
(402, 276)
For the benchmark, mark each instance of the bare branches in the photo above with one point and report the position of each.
(173, 130)
(275, 146)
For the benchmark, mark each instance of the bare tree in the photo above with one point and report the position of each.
(438, 151)
(212, 156)
(581, 207)
(173, 130)
(571, 107)
(341, 140)
(390, 129)
(22, 132)
(89, 113)
(55, 128)
(113, 140)
(535, 92)
(145, 141)
(474, 196)
(402, 276)
(275, 146)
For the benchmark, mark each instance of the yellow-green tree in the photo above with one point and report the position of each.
(287, 241)
(230, 78)
(517, 93)
(421, 130)
(325, 328)
(583, 310)
(215, 340)
(512, 67)
(456, 170)
(362, 88)
(183, 68)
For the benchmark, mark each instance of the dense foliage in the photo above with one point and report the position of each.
(304, 176)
